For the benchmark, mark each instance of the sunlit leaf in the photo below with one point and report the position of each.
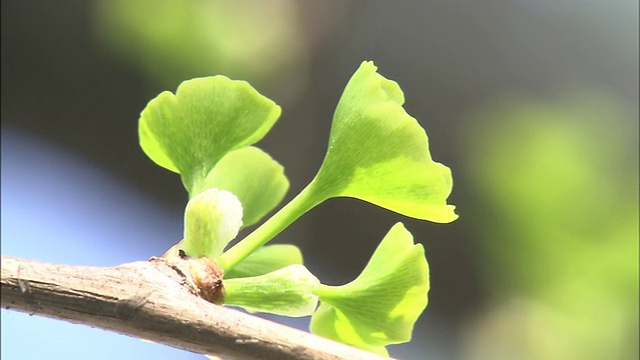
(254, 177)
(266, 259)
(326, 317)
(381, 306)
(189, 132)
(379, 153)
(288, 291)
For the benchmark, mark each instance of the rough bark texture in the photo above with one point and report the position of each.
(154, 301)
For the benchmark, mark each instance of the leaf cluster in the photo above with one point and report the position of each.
(377, 153)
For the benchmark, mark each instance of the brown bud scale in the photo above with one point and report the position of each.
(203, 274)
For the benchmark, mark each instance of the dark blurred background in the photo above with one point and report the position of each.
(533, 104)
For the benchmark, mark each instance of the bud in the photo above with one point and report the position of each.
(211, 220)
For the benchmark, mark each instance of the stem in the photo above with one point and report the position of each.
(303, 202)
(150, 300)
(195, 184)
(327, 292)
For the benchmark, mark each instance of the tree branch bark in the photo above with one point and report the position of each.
(152, 300)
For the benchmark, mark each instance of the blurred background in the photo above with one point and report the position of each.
(533, 104)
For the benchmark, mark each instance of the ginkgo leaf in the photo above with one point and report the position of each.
(379, 153)
(189, 132)
(325, 322)
(381, 306)
(288, 291)
(254, 177)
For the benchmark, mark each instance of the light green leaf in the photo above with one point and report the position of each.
(266, 259)
(211, 220)
(189, 132)
(326, 317)
(381, 306)
(254, 177)
(379, 153)
(288, 291)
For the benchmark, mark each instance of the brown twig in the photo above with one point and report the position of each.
(152, 300)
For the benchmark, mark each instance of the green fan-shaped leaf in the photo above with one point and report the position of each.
(189, 132)
(379, 153)
(381, 306)
(254, 177)
(288, 291)
(324, 322)
(266, 259)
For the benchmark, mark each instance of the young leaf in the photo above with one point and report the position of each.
(211, 220)
(379, 153)
(288, 291)
(325, 318)
(189, 132)
(254, 177)
(381, 306)
(266, 259)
